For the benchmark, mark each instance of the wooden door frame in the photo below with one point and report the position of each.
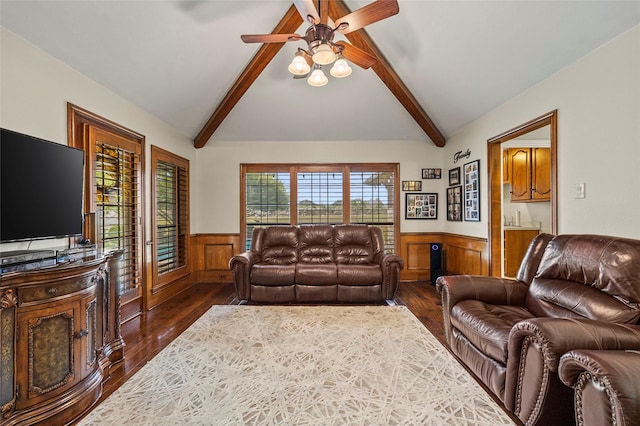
(494, 156)
(77, 120)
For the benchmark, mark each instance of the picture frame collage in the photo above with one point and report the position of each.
(421, 205)
(463, 194)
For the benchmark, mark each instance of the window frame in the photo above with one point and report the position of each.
(163, 279)
(345, 168)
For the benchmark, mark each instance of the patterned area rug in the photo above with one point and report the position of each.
(298, 365)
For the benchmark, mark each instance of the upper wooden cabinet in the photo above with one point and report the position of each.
(528, 170)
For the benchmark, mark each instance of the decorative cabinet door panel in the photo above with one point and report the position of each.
(48, 336)
(541, 174)
(520, 174)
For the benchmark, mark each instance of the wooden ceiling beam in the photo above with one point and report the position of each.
(389, 77)
(289, 23)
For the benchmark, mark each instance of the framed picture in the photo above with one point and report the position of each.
(454, 203)
(421, 206)
(431, 173)
(412, 185)
(471, 172)
(454, 176)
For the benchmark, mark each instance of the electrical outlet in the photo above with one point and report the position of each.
(580, 190)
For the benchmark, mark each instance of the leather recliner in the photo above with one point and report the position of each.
(571, 292)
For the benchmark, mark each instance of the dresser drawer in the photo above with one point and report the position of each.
(30, 295)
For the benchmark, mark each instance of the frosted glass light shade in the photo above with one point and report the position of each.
(324, 55)
(317, 79)
(340, 69)
(299, 66)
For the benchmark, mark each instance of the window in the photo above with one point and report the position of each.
(170, 215)
(306, 194)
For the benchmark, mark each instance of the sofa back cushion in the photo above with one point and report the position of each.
(280, 245)
(353, 244)
(590, 276)
(316, 244)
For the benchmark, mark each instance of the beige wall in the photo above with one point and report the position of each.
(35, 91)
(598, 103)
(217, 185)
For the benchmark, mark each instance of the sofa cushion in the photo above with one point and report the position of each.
(273, 275)
(487, 326)
(359, 274)
(316, 244)
(316, 274)
(353, 244)
(280, 245)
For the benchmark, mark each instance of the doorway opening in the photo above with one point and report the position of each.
(521, 145)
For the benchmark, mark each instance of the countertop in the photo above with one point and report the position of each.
(521, 228)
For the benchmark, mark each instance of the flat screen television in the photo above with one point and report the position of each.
(41, 188)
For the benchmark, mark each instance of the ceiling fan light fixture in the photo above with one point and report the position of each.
(340, 69)
(299, 66)
(323, 55)
(317, 78)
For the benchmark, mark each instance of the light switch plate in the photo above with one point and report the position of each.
(580, 190)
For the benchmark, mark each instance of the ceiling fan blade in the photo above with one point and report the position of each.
(306, 9)
(269, 38)
(323, 5)
(368, 14)
(356, 55)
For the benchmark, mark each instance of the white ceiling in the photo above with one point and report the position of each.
(177, 60)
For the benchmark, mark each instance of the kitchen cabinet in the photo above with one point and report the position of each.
(516, 243)
(60, 337)
(529, 173)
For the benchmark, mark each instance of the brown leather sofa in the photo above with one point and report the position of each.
(606, 385)
(316, 263)
(571, 292)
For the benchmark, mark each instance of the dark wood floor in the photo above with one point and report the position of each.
(147, 335)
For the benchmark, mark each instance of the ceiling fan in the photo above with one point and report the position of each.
(321, 49)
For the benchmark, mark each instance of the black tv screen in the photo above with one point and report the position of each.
(41, 185)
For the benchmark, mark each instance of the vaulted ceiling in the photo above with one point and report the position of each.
(442, 64)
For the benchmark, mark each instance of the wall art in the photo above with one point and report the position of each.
(421, 206)
(454, 176)
(431, 173)
(454, 203)
(471, 172)
(412, 185)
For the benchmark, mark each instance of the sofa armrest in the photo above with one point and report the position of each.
(605, 383)
(492, 290)
(391, 265)
(534, 351)
(240, 266)
(556, 336)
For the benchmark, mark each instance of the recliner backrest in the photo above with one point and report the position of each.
(316, 243)
(353, 244)
(280, 245)
(588, 276)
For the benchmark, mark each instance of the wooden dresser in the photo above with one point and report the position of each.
(59, 337)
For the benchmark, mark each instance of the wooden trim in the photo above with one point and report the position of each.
(162, 287)
(78, 122)
(495, 182)
(210, 255)
(344, 168)
(461, 255)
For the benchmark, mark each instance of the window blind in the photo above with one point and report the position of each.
(117, 201)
